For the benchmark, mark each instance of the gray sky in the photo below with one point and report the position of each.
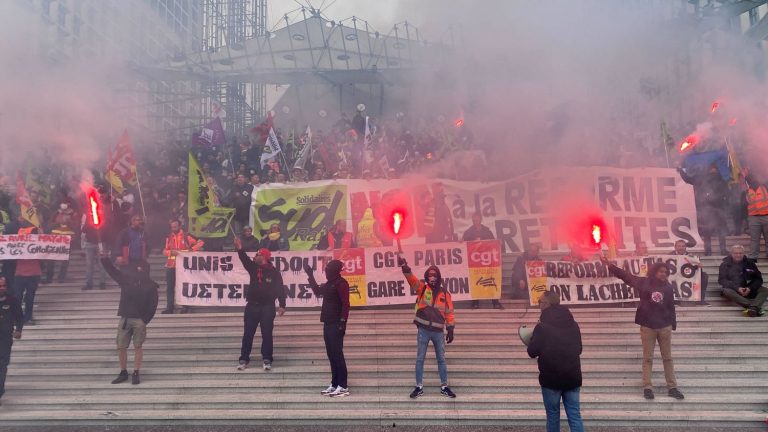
(382, 14)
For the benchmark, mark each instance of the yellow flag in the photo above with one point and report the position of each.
(28, 210)
(206, 219)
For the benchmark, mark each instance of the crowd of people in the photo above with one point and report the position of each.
(138, 223)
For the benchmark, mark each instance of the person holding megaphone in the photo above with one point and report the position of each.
(556, 343)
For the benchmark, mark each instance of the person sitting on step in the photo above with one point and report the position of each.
(742, 282)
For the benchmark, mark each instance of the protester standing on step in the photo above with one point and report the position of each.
(556, 341)
(434, 313)
(757, 214)
(11, 323)
(657, 319)
(681, 249)
(27, 277)
(266, 286)
(742, 282)
(177, 241)
(138, 303)
(333, 315)
(89, 240)
(478, 232)
(132, 245)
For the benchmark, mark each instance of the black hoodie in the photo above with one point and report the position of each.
(556, 341)
(335, 294)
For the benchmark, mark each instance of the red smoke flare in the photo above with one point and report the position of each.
(715, 106)
(94, 204)
(397, 222)
(597, 234)
(689, 142)
(459, 123)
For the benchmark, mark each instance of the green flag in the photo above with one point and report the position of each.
(206, 219)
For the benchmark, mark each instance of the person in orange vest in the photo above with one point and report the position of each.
(337, 238)
(177, 241)
(757, 214)
(434, 313)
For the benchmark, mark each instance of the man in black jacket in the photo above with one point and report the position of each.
(265, 286)
(138, 303)
(240, 199)
(742, 282)
(657, 319)
(333, 315)
(249, 241)
(519, 278)
(11, 323)
(556, 341)
(478, 231)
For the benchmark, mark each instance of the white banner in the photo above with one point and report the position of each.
(35, 246)
(589, 282)
(469, 270)
(650, 204)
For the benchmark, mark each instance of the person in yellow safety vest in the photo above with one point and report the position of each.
(757, 214)
(366, 231)
(434, 313)
(177, 241)
(62, 224)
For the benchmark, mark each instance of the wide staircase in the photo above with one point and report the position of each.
(62, 368)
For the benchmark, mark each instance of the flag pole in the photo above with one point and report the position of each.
(138, 186)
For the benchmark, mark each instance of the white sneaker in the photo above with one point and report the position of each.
(242, 366)
(328, 391)
(267, 365)
(339, 392)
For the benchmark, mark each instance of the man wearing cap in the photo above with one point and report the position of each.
(266, 286)
(556, 342)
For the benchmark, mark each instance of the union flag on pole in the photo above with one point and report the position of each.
(28, 210)
(121, 164)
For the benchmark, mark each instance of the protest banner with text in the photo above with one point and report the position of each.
(34, 246)
(589, 283)
(649, 204)
(469, 270)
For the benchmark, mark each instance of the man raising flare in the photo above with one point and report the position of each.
(333, 315)
(434, 311)
(265, 287)
(138, 303)
(657, 319)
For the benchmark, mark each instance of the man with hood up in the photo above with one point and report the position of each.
(333, 315)
(266, 286)
(657, 319)
(556, 341)
(434, 313)
(138, 303)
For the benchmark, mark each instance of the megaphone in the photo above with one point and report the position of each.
(526, 333)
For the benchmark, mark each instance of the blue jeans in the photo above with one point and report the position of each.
(26, 287)
(422, 341)
(571, 404)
